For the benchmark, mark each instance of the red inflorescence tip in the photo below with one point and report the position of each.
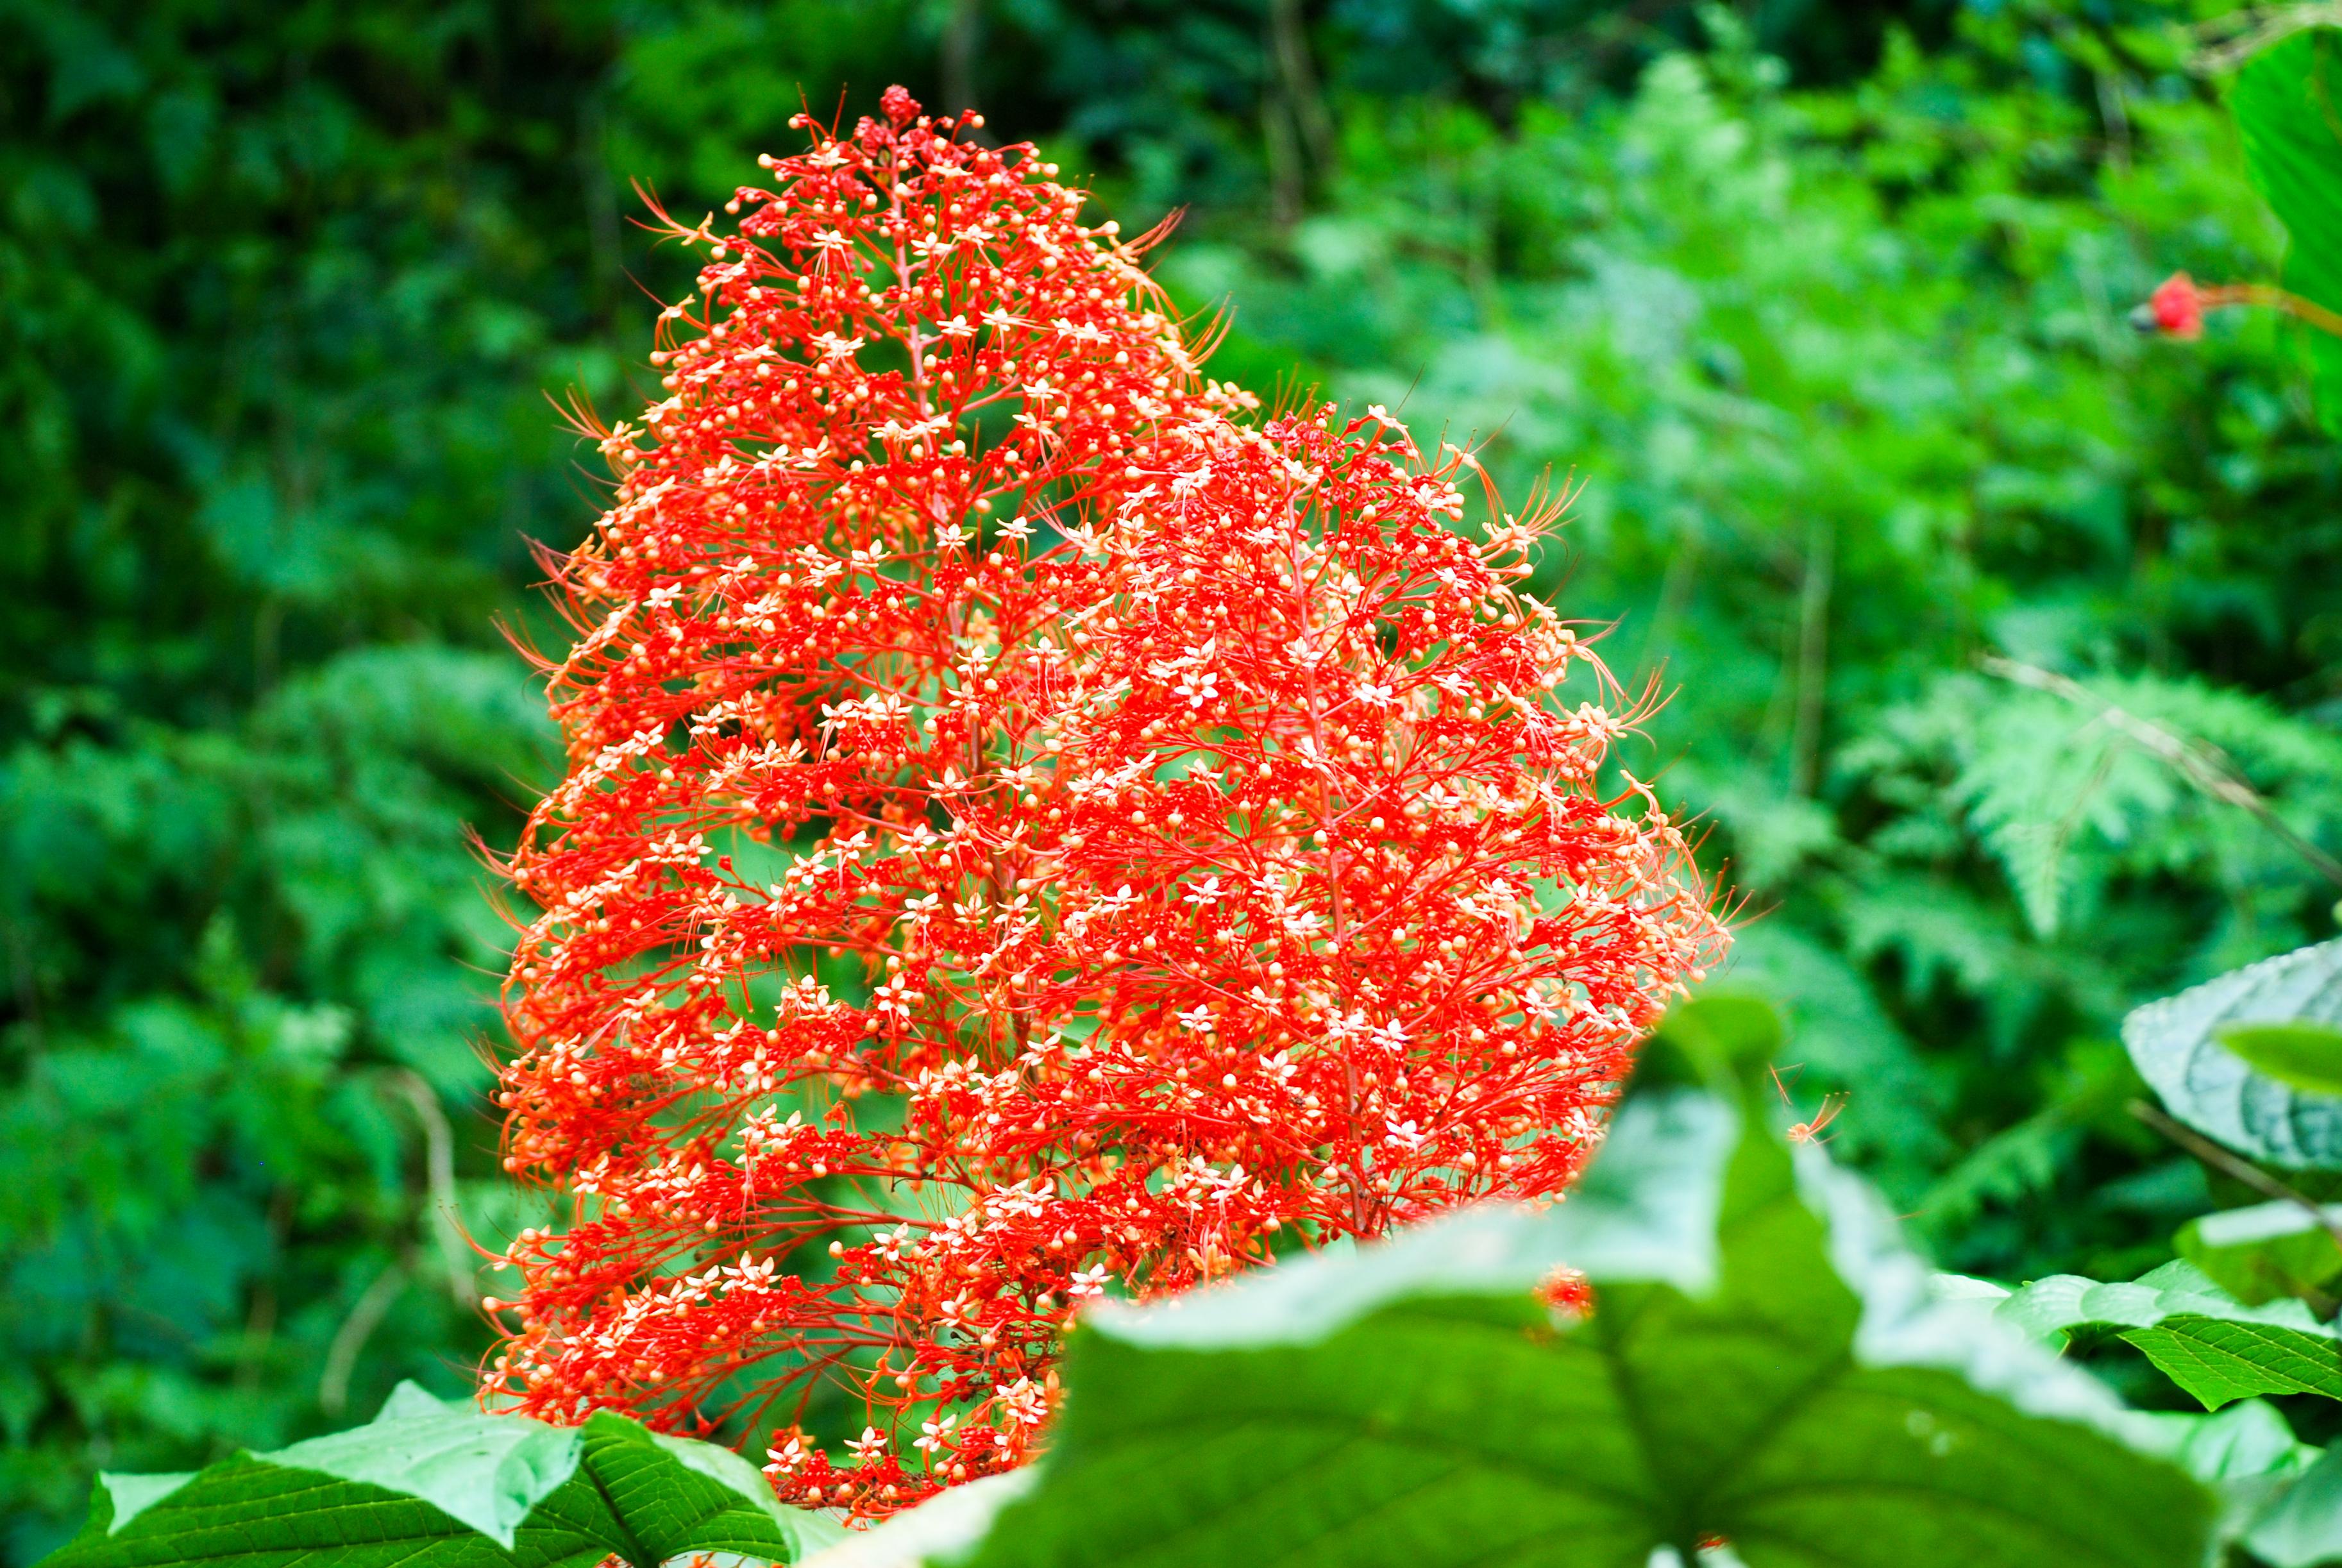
(2178, 306)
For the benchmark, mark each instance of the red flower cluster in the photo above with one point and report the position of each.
(1029, 830)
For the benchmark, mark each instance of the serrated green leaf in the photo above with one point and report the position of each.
(674, 1496)
(2264, 1251)
(2285, 104)
(2306, 1056)
(428, 1485)
(2211, 1345)
(250, 1513)
(1814, 1398)
(488, 1472)
(131, 1495)
(2174, 1044)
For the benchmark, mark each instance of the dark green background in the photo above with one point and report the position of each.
(1822, 304)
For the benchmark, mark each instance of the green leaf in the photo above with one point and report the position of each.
(676, 1496)
(2303, 1526)
(2246, 1453)
(2176, 1045)
(132, 1495)
(444, 1486)
(2205, 1340)
(2264, 1251)
(1765, 1363)
(2306, 1056)
(489, 1472)
(2248, 1441)
(2285, 104)
(1721, 1035)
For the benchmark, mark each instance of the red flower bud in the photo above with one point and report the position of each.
(2177, 307)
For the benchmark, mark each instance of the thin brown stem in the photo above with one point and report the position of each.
(2229, 41)
(2231, 1165)
(961, 34)
(2271, 297)
(2199, 763)
(1813, 660)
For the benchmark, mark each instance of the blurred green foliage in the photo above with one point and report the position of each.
(1821, 307)
(1929, 552)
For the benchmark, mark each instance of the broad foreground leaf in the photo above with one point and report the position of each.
(1765, 1364)
(430, 1485)
(2205, 1340)
(2176, 1045)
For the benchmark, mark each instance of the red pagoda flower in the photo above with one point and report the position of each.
(1033, 828)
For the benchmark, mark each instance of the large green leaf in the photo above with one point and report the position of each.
(430, 1485)
(2289, 104)
(2267, 1250)
(1765, 1363)
(2176, 1045)
(2205, 1340)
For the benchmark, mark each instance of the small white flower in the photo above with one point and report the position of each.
(934, 1434)
(1025, 1402)
(1199, 686)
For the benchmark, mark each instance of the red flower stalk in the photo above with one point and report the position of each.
(1026, 830)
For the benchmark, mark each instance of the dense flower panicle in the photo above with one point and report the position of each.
(1188, 817)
